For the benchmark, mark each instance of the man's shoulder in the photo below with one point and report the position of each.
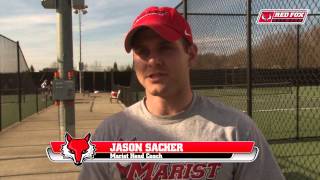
(213, 105)
(221, 113)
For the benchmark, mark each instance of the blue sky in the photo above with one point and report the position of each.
(107, 22)
(103, 30)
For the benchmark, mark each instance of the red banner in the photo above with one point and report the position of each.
(166, 146)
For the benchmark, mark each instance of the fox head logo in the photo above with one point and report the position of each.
(266, 16)
(78, 149)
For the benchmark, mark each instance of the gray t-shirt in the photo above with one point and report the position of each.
(203, 120)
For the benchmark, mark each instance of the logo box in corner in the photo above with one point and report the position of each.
(282, 16)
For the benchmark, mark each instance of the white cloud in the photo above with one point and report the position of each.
(25, 21)
(30, 30)
(92, 24)
(104, 27)
(106, 51)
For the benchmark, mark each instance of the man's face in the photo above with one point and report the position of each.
(162, 67)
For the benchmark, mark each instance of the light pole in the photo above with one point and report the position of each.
(63, 86)
(80, 11)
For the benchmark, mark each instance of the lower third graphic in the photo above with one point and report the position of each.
(84, 150)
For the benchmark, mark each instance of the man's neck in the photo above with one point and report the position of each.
(162, 106)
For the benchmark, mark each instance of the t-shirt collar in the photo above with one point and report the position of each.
(169, 118)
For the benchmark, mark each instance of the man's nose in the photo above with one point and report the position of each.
(155, 58)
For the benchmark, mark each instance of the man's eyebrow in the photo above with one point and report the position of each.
(164, 42)
(161, 43)
(137, 46)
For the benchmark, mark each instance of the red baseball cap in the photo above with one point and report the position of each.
(165, 21)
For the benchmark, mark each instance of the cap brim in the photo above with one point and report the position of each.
(165, 32)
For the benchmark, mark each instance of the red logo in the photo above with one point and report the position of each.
(155, 171)
(282, 16)
(78, 149)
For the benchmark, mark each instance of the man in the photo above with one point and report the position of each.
(163, 53)
(44, 88)
(44, 84)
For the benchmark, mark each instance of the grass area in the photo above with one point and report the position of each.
(300, 160)
(275, 113)
(275, 108)
(10, 107)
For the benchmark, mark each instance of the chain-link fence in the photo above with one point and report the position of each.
(19, 96)
(269, 71)
(103, 81)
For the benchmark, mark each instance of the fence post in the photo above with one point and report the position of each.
(46, 99)
(112, 80)
(37, 100)
(104, 81)
(94, 81)
(0, 103)
(297, 82)
(19, 81)
(83, 84)
(249, 60)
(185, 9)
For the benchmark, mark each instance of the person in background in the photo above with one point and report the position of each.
(44, 88)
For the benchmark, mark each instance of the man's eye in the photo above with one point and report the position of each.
(144, 53)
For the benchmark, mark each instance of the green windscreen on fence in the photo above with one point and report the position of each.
(20, 97)
(8, 81)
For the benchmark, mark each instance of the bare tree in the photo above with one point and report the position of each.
(31, 68)
(115, 66)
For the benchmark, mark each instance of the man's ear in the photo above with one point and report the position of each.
(193, 54)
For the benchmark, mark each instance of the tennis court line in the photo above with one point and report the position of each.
(286, 109)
